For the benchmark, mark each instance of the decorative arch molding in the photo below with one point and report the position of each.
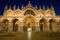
(4, 20)
(41, 20)
(31, 12)
(24, 10)
(54, 20)
(14, 20)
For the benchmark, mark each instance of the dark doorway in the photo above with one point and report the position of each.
(41, 28)
(5, 24)
(15, 26)
(42, 24)
(52, 23)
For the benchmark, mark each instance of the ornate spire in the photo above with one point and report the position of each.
(6, 7)
(40, 7)
(18, 7)
(29, 4)
(47, 7)
(14, 7)
(9, 7)
(44, 8)
(22, 6)
(52, 7)
(36, 6)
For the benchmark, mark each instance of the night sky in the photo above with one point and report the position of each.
(55, 3)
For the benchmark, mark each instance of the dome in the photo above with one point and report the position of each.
(17, 11)
(8, 12)
(48, 12)
(40, 13)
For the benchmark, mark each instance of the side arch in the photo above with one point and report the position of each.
(15, 25)
(53, 24)
(42, 24)
(5, 24)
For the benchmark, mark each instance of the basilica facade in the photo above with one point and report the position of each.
(20, 20)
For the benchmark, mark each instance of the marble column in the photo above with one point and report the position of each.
(37, 26)
(10, 27)
(0, 26)
(48, 26)
(21, 26)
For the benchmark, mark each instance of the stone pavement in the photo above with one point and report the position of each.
(34, 36)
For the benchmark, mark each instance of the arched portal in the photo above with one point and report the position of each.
(42, 24)
(52, 24)
(29, 22)
(29, 12)
(5, 24)
(15, 25)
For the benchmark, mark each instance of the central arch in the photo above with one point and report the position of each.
(29, 22)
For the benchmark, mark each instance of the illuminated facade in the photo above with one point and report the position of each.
(29, 17)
